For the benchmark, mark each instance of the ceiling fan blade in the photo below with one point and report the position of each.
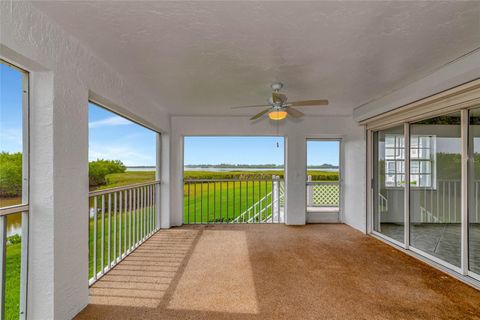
(258, 115)
(294, 112)
(254, 106)
(279, 97)
(308, 103)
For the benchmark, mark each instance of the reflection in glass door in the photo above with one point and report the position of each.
(389, 183)
(435, 187)
(474, 191)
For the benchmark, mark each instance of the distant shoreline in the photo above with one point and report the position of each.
(232, 168)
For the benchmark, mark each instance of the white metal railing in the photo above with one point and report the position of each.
(4, 214)
(120, 220)
(323, 193)
(382, 203)
(441, 204)
(233, 201)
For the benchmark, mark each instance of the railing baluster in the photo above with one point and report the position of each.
(115, 228)
(188, 202)
(253, 201)
(221, 211)
(138, 215)
(144, 215)
(265, 202)
(102, 252)
(246, 202)
(130, 220)
(257, 203)
(214, 202)
(120, 202)
(233, 204)
(109, 258)
(195, 203)
(134, 219)
(3, 258)
(150, 216)
(208, 201)
(148, 211)
(226, 215)
(154, 199)
(201, 202)
(95, 207)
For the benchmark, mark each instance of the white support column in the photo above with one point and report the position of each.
(165, 209)
(295, 180)
(58, 239)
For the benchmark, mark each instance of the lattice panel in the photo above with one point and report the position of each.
(326, 195)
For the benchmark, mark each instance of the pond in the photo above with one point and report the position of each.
(14, 221)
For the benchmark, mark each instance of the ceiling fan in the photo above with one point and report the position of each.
(279, 108)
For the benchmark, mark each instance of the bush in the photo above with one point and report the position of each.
(317, 175)
(10, 174)
(97, 170)
(14, 239)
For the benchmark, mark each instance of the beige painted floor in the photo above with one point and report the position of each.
(275, 272)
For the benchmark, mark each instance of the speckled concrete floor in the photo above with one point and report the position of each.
(442, 240)
(276, 272)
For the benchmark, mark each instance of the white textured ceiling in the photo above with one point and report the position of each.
(200, 58)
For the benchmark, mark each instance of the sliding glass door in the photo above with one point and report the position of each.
(435, 187)
(389, 183)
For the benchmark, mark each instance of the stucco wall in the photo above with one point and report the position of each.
(296, 132)
(64, 74)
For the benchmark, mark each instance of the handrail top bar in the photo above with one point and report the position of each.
(230, 180)
(117, 189)
(14, 209)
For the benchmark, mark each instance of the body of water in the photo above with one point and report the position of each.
(14, 224)
(132, 169)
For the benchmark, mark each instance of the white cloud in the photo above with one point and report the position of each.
(111, 121)
(11, 139)
(125, 153)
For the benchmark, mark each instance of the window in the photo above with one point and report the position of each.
(13, 190)
(422, 160)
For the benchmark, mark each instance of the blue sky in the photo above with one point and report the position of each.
(252, 150)
(321, 152)
(10, 109)
(115, 138)
(233, 150)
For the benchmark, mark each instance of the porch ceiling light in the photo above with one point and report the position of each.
(277, 115)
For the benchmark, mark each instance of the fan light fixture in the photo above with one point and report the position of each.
(278, 108)
(277, 115)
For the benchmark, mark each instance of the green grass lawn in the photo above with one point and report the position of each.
(210, 202)
(12, 288)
